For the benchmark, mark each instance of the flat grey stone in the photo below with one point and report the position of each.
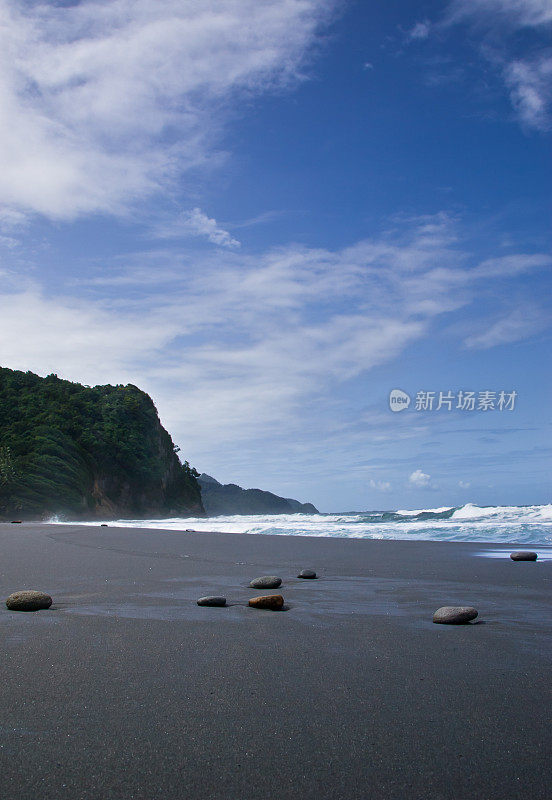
(454, 615)
(266, 582)
(307, 573)
(211, 600)
(524, 555)
(28, 601)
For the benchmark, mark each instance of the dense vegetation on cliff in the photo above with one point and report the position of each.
(87, 452)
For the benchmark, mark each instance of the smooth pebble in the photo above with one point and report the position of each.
(266, 582)
(211, 600)
(28, 601)
(524, 555)
(272, 601)
(454, 615)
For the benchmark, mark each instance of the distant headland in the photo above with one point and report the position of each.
(229, 498)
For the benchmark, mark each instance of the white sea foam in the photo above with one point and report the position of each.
(415, 512)
(469, 523)
(505, 514)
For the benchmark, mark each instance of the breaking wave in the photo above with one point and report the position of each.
(467, 523)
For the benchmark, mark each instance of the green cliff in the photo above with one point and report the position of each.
(87, 452)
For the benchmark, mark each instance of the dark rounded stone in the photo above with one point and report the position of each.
(266, 582)
(524, 555)
(307, 573)
(28, 601)
(104, 525)
(272, 601)
(211, 601)
(454, 615)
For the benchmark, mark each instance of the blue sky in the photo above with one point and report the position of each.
(269, 215)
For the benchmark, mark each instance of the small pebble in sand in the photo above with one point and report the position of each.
(524, 555)
(211, 600)
(28, 601)
(455, 615)
(266, 582)
(307, 573)
(272, 601)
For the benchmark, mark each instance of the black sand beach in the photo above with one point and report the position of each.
(125, 688)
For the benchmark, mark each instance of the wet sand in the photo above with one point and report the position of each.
(125, 688)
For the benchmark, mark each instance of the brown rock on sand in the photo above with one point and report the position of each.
(272, 601)
(28, 601)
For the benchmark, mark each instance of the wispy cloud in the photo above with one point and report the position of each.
(11, 219)
(514, 13)
(530, 84)
(380, 486)
(419, 31)
(515, 326)
(493, 26)
(241, 345)
(195, 223)
(260, 219)
(512, 265)
(104, 103)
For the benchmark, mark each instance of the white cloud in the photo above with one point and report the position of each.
(260, 219)
(419, 479)
(419, 31)
(76, 338)
(240, 348)
(530, 84)
(380, 486)
(212, 391)
(494, 25)
(11, 219)
(512, 265)
(200, 224)
(524, 13)
(103, 103)
(194, 223)
(464, 484)
(513, 327)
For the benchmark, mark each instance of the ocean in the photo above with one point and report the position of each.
(467, 523)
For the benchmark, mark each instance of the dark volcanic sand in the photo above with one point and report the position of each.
(126, 688)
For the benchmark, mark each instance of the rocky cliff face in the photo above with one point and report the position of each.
(171, 493)
(87, 452)
(229, 498)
